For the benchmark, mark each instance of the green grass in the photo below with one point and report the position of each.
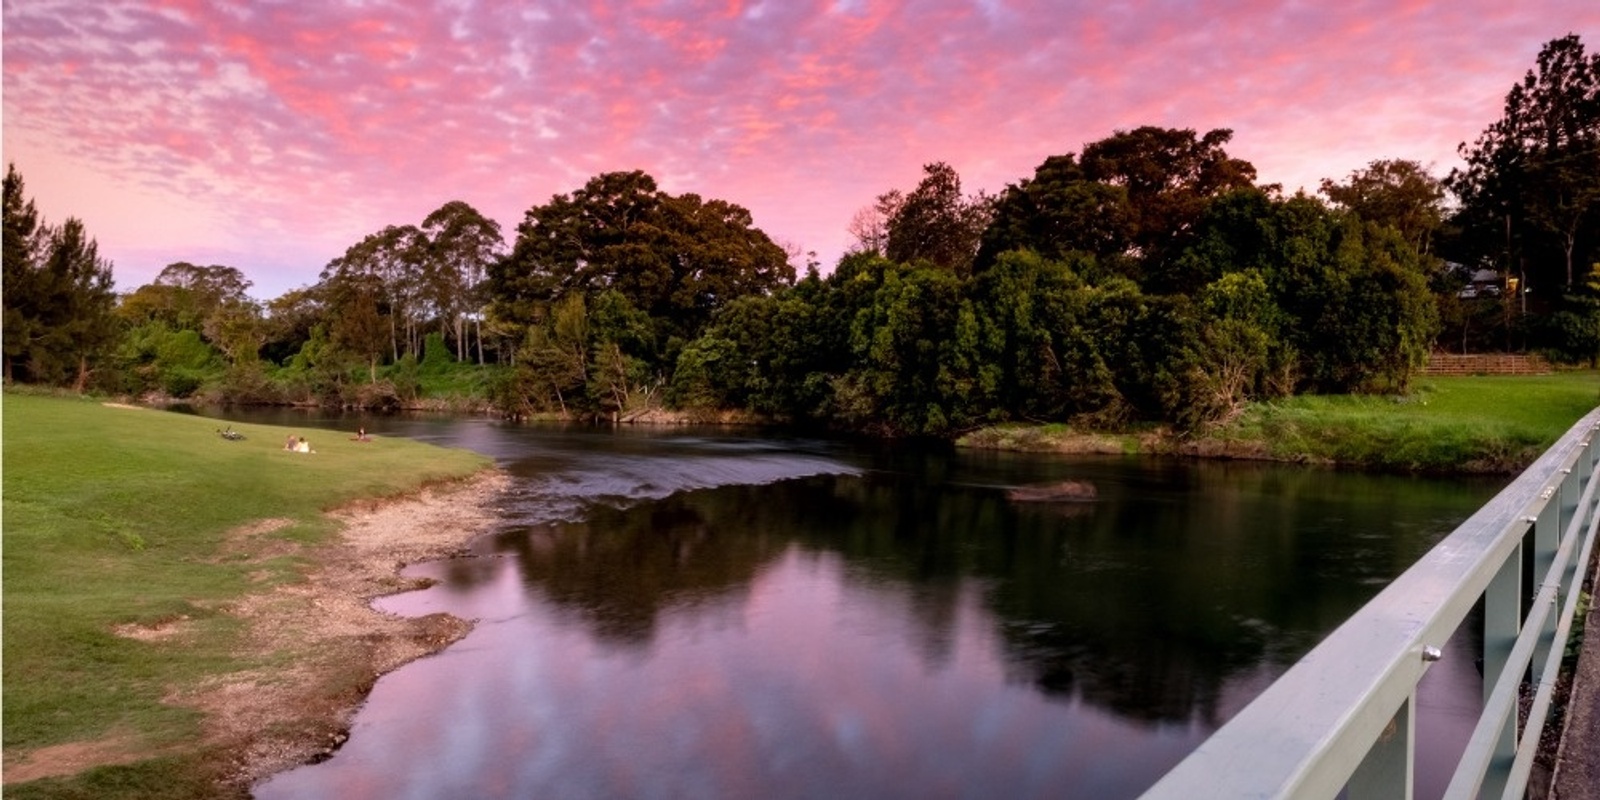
(1496, 424)
(115, 516)
(1477, 424)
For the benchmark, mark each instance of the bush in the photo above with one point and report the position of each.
(436, 356)
(1572, 335)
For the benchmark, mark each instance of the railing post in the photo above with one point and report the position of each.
(1571, 489)
(1502, 622)
(1388, 768)
(1546, 538)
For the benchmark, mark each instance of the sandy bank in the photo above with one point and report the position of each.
(320, 643)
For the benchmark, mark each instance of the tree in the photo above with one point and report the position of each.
(915, 349)
(237, 329)
(717, 256)
(1396, 193)
(1531, 184)
(1170, 176)
(462, 243)
(1056, 213)
(212, 286)
(290, 319)
(24, 240)
(934, 222)
(678, 259)
(357, 323)
(1234, 355)
(384, 273)
(209, 300)
(1347, 307)
(1039, 360)
(58, 296)
(1131, 200)
(870, 224)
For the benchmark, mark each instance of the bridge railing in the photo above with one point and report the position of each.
(1343, 717)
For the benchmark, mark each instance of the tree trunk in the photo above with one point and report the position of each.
(1572, 241)
(83, 375)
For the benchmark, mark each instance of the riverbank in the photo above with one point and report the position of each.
(275, 718)
(320, 643)
(1455, 425)
(187, 613)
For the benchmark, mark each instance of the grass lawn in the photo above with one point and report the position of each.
(1478, 423)
(115, 517)
(1494, 424)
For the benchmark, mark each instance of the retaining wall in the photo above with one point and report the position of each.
(1486, 364)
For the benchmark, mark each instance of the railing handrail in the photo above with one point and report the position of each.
(1324, 720)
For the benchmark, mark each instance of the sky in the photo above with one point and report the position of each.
(271, 136)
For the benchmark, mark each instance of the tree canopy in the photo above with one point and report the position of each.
(58, 298)
(1530, 190)
(1145, 277)
(678, 258)
(1131, 200)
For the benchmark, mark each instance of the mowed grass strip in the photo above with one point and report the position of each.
(115, 520)
(1471, 424)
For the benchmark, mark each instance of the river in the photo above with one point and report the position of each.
(677, 613)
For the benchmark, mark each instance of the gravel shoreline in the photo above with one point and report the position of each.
(324, 643)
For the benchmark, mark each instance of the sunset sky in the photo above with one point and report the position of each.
(270, 136)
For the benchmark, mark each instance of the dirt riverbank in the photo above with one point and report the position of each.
(318, 643)
(332, 643)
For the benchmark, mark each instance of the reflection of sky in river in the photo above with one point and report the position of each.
(795, 686)
(868, 623)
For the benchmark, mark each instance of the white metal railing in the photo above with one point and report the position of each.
(1343, 717)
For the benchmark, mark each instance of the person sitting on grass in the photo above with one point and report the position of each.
(289, 443)
(303, 446)
(361, 436)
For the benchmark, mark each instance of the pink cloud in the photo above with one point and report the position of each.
(294, 130)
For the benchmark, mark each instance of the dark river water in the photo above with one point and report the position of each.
(688, 614)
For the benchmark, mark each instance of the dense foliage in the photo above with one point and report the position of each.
(1146, 277)
(58, 299)
(1530, 201)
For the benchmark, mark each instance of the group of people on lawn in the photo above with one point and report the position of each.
(298, 444)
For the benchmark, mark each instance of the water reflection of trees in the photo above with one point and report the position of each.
(620, 569)
(1180, 578)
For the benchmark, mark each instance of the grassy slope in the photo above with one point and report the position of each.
(115, 516)
(1479, 424)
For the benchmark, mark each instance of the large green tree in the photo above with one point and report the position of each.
(1171, 176)
(58, 296)
(462, 243)
(1530, 190)
(1397, 193)
(210, 300)
(1040, 360)
(24, 240)
(1353, 311)
(676, 258)
(379, 281)
(935, 222)
(1131, 199)
(1058, 212)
